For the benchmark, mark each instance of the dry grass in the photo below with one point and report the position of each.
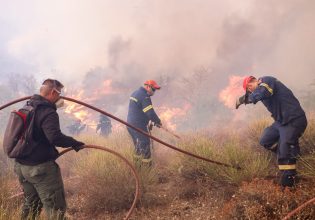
(255, 130)
(103, 181)
(231, 151)
(9, 209)
(308, 139)
(98, 183)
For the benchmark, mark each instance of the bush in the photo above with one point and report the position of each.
(231, 151)
(103, 181)
(255, 130)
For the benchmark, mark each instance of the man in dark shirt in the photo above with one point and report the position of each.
(139, 114)
(38, 173)
(290, 122)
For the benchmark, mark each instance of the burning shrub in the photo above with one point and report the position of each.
(262, 199)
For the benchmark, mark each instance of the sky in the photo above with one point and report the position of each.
(93, 44)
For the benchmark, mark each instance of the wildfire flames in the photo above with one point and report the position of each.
(233, 91)
(169, 116)
(76, 110)
(106, 89)
(82, 113)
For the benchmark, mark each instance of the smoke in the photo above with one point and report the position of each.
(107, 49)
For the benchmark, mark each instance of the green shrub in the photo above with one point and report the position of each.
(231, 151)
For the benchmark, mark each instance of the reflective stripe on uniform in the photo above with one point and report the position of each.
(287, 167)
(267, 87)
(147, 108)
(133, 99)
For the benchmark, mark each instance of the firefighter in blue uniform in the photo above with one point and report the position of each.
(289, 124)
(139, 114)
(104, 126)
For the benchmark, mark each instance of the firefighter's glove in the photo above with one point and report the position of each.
(242, 100)
(79, 146)
(159, 124)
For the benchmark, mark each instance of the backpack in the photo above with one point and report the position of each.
(18, 136)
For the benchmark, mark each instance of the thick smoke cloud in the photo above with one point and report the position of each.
(108, 48)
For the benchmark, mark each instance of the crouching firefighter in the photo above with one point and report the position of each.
(290, 122)
(35, 152)
(139, 114)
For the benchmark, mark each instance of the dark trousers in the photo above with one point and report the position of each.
(141, 143)
(284, 140)
(43, 187)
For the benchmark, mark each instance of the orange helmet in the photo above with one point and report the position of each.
(152, 83)
(247, 79)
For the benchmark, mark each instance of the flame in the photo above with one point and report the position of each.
(80, 112)
(106, 89)
(234, 90)
(76, 110)
(169, 115)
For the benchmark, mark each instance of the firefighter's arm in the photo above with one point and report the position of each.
(147, 108)
(51, 128)
(262, 92)
(242, 100)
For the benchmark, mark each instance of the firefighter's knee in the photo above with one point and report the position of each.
(268, 145)
(265, 142)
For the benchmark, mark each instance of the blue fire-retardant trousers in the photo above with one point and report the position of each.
(141, 143)
(284, 140)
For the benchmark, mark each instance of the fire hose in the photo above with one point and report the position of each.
(133, 171)
(298, 209)
(133, 127)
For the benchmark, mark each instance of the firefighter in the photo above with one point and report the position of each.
(104, 125)
(76, 128)
(290, 122)
(139, 114)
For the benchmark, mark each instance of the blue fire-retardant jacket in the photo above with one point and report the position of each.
(278, 99)
(141, 110)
